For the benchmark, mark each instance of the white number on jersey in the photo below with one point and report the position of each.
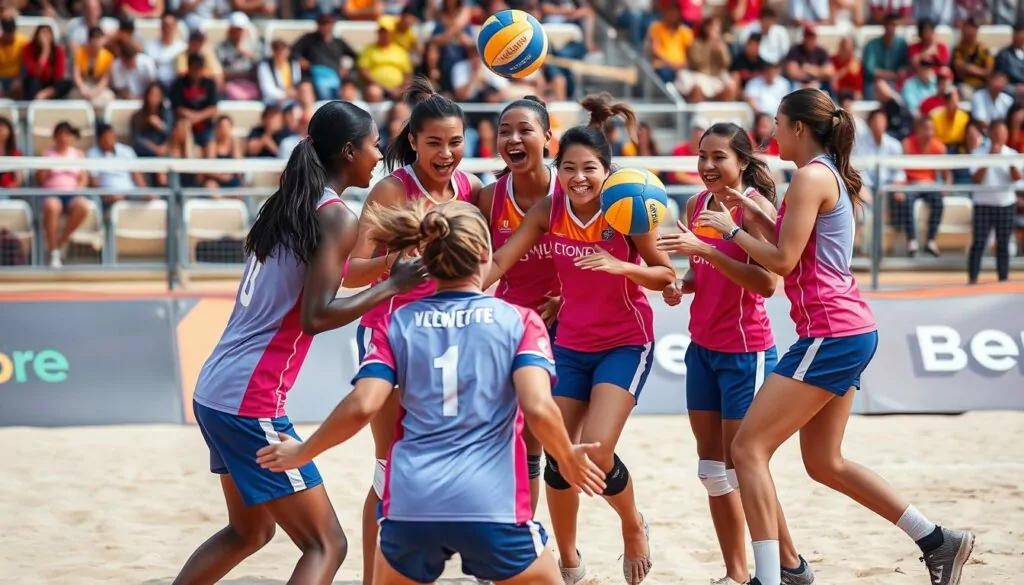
(249, 282)
(448, 363)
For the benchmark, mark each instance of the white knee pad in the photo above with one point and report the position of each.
(713, 475)
(379, 471)
(733, 480)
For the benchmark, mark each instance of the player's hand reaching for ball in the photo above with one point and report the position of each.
(408, 273)
(684, 242)
(717, 217)
(280, 457)
(583, 473)
(601, 260)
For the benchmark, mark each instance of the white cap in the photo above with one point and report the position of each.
(238, 20)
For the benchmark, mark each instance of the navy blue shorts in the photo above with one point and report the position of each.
(579, 371)
(489, 550)
(363, 337)
(725, 382)
(830, 363)
(552, 330)
(234, 440)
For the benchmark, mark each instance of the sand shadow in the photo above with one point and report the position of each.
(261, 581)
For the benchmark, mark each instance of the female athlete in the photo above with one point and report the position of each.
(423, 160)
(524, 130)
(296, 252)
(732, 348)
(809, 391)
(470, 368)
(605, 327)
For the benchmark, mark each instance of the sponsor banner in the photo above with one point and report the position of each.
(88, 363)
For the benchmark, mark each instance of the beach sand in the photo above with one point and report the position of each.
(129, 504)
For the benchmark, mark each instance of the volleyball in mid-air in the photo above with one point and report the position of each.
(512, 43)
(634, 201)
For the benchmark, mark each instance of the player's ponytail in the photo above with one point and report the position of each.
(426, 104)
(594, 134)
(452, 238)
(755, 171)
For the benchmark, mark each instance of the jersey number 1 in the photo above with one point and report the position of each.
(249, 282)
(448, 363)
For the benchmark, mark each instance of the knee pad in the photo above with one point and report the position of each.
(533, 466)
(714, 477)
(379, 471)
(616, 480)
(552, 476)
(733, 480)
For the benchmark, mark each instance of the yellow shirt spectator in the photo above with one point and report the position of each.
(386, 65)
(93, 67)
(950, 130)
(670, 45)
(10, 57)
(979, 56)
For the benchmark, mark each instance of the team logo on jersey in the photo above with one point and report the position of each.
(607, 234)
(505, 227)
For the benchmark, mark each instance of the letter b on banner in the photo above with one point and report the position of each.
(940, 349)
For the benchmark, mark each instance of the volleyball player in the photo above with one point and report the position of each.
(295, 255)
(524, 129)
(604, 347)
(423, 160)
(470, 368)
(809, 391)
(732, 348)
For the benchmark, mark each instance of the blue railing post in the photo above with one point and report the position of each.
(173, 196)
(878, 194)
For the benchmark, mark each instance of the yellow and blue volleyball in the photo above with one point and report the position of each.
(512, 43)
(634, 201)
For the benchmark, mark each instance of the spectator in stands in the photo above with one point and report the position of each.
(165, 50)
(319, 54)
(763, 134)
(748, 61)
(928, 50)
(150, 128)
(1015, 127)
(9, 147)
(810, 12)
(385, 62)
(667, 41)
(920, 87)
(973, 138)
(879, 143)
(223, 146)
(849, 73)
(75, 207)
(132, 73)
(645, 144)
(690, 148)
(991, 104)
(396, 118)
(278, 74)
(211, 65)
(636, 18)
(707, 77)
(950, 121)
(107, 146)
(940, 12)
(77, 33)
(361, 9)
(123, 37)
(196, 12)
(578, 12)
(305, 97)
(765, 91)
(181, 145)
(808, 64)
(994, 208)
(885, 59)
(45, 67)
(91, 71)
(405, 32)
(972, 60)
(309, 9)
(430, 66)
(1010, 60)
(775, 41)
(264, 140)
(472, 82)
(237, 56)
(194, 98)
(744, 12)
(371, 94)
(133, 9)
(943, 84)
(922, 141)
(256, 8)
(296, 124)
(453, 37)
(977, 10)
(883, 10)
(12, 46)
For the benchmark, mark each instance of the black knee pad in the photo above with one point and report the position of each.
(533, 466)
(615, 481)
(552, 476)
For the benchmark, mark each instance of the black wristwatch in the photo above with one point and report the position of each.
(732, 233)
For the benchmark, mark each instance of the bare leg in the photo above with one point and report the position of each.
(564, 505)
(52, 209)
(383, 428)
(78, 210)
(543, 571)
(310, 521)
(384, 574)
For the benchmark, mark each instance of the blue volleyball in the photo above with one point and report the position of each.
(512, 43)
(634, 201)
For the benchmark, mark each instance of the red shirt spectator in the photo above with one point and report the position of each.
(849, 71)
(928, 49)
(49, 71)
(945, 76)
(692, 11)
(744, 11)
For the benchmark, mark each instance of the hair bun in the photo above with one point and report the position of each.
(600, 108)
(533, 98)
(420, 89)
(434, 226)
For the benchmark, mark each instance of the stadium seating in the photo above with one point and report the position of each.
(42, 117)
(91, 234)
(955, 231)
(16, 217)
(139, 230)
(207, 220)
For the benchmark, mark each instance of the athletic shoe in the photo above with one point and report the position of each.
(947, 562)
(804, 577)
(645, 561)
(573, 575)
(727, 580)
(483, 582)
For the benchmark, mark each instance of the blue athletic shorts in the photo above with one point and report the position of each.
(234, 440)
(363, 338)
(579, 371)
(830, 363)
(725, 382)
(489, 550)
(552, 331)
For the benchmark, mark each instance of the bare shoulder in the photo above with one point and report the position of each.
(388, 192)
(336, 218)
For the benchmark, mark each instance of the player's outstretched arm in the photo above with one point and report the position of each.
(535, 224)
(363, 267)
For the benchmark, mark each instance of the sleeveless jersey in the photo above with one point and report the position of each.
(600, 311)
(459, 454)
(259, 355)
(723, 315)
(414, 190)
(530, 280)
(824, 295)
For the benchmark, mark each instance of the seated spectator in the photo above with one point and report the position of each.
(881, 11)
(393, 123)
(9, 147)
(77, 31)
(845, 100)
(366, 10)
(994, 208)
(256, 8)
(667, 42)
(223, 146)
(237, 57)
(125, 36)
(973, 139)
(708, 75)
(384, 62)
(885, 59)
(196, 12)
(940, 12)
(278, 75)
(12, 46)
(748, 61)
(404, 33)
(305, 97)
(319, 55)
(1015, 127)
(928, 50)
(453, 37)
(922, 141)
(763, 135)
(296, 123)
(194, 98)
(75, 207)
(91, 71)
(133, 9)
(636, 18)
(107, 146)
(1010, 61)
(775, 41)
(197, 45)
(744, 12)
(473, 82)
(150, 128)
(972, 61)
(578, 12)
(45, 74)
(808, 64)
(690, 148)
(950, 121)
(849, 73)
(181, 145)
(166, 50)
(350, 92)
(645, 144)
(943, 83)
(920, 87)
(811, 12)
(132, 73)
(264, 140)
(764, 92)
(991, 104)
(430, 66)
(879, 143)
(977, 10)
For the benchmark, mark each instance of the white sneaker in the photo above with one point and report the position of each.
(573, 575)
(724, 581)
(55, 259)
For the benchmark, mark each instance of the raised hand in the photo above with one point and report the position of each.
(408, 274)
(684, 242)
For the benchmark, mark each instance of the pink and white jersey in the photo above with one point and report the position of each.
(414, 190)
(824, 295)
(600, 311)
(724, 316)
(530, 280)
(459, 454)
(262, 349)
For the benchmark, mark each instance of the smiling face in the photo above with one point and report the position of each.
(717, 163)
(581, 174)
(439, 147)
(363, 158)
(785, 136)
(521, 139)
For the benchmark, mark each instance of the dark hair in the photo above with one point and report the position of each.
(102, 128)
(451, 237)
(924, 24)
(11, 144)
(831, 127)
(539, 108)
(426, 104)
(289, 217)
(602, 110)
(755, 172)
(877, 112)
(65, 126)
(37, 45)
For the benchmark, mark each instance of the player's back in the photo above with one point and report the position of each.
(459, 454)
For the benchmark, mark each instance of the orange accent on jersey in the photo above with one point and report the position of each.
(510, 217)
(566, 227)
